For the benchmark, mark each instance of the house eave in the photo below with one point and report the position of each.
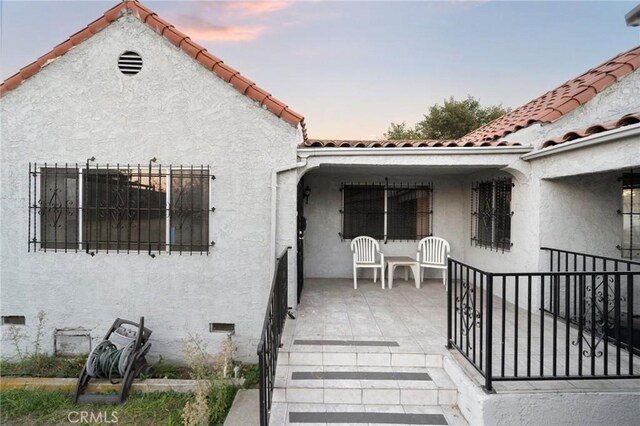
(596, 139)
(426, 151)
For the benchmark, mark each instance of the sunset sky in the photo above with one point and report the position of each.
(351, 68)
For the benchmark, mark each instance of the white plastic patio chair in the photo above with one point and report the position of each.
(365, 251)
(433, 252)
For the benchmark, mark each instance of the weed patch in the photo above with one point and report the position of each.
(56, 408)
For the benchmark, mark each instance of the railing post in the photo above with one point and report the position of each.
(449, 302)
(489, 338)
(264, 420)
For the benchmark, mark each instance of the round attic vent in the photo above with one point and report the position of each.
(130, 63)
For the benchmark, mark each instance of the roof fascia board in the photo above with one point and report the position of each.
(365, 152)
(595, 139)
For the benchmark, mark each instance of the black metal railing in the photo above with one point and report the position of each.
(271, 337)
(570, 261)
(500, 323)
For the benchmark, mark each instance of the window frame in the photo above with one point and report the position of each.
(496, 210)
(425, 217)
(164, 174)
(630, 181)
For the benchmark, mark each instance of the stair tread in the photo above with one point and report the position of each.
(281, 412)
(367, 417)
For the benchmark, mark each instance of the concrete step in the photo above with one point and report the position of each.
(364, 385)
(336, 351)
(304, 413)
(360, 358)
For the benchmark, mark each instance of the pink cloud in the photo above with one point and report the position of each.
(205, 23)
(257, 7)
(223, 33)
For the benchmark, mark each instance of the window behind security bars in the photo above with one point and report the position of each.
(386, 212)
(363, 211)
(630, 212)
(189, 210)
(491, 214)
(58, 207)
(121, 208)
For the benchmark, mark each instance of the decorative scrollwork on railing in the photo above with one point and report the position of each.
(597, 318)
(465, 307)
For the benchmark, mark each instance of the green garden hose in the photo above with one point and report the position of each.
(106, 361)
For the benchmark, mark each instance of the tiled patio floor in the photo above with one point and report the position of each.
(332, 309)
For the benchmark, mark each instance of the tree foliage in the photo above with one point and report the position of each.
(452, 120)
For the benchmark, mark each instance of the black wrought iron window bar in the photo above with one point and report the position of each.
(491, 214)
(630, 212)
(122, 208)
(387, 211)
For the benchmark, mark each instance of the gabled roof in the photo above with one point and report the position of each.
(625, 120)
(178, 39)
(408, 143)
(561, 100)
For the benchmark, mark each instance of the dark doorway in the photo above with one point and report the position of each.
(302, 226)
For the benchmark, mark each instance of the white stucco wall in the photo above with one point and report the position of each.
(328, 256)
(581, 194)
(522, 256)
(603, 407)
(581, 212)
(81, 106)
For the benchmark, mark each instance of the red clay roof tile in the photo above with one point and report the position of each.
(547, 108)
(45, 59)
(240, 83)
(98, 25)
(585, 95)
(604, 82)
(156, 23)
(274, 105)
(114, 13)
(625, 120)
(62, 48)
(257, 94)
(29, 70)
(208, 60)
(224, 72)
(13, 82)
(175, 37)
(190, 48)
(142, 12)
(290, 116)
(80, 36)
(428, 143)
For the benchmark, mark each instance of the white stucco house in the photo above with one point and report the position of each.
(114, 236)
(145, 177)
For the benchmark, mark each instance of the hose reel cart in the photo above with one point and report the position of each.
(120, 355)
